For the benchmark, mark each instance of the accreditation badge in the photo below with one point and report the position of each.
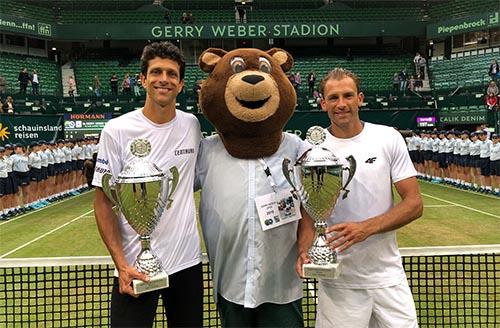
(276, 209)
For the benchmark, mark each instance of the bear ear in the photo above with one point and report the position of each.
(283, 57)
(209, 58)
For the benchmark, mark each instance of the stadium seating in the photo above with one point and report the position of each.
(375, 73)
(465, 69)
(49, 73)
(24, 10)
(460, 8)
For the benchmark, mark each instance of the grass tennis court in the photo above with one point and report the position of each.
(449, 291)
(67, 228)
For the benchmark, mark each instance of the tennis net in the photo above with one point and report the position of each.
(452, 287)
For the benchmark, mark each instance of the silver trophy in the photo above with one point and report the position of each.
(142, 192)
(317, 178)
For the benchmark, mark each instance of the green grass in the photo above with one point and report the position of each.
(466, 219)
(438, 226)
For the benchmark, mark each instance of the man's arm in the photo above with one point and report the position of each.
(410, 208)
(305, 236)
(107, 223)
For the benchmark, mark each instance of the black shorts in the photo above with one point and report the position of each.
(182, 300)
(413, 155)
(74, 165)
(449, 158)
(66, 167)
(484, 164)
(420, 156)
(3, 182)
(474, 161)
(10, 188)
(22, 178)
(58, 168)
(79, 164)
(495, 168)
(45, 172)
(35, 175)
(456, 159)
(435, 157)
(442, 160)
(51, 170)
(464, 160)
(427, 155)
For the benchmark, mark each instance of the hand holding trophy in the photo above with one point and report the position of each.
(142, 192)
(317, 178)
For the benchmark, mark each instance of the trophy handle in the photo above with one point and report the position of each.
(285, 166)
(108, 188)
(173, 179)
(352, 170)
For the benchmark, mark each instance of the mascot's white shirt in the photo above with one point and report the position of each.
(381, 160)
(175, 239)
(249, 266)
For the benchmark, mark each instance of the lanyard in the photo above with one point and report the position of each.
(269, 176)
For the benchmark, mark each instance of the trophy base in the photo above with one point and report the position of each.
(159, 281)
(326, 271)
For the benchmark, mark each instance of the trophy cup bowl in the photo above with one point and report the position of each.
(142, 192)
(317, 179)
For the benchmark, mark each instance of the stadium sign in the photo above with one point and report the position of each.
(84, 125)
(25, 129)
(135, 31)
(25, 26)
(457, 26)
(243, 31)
(463, 118)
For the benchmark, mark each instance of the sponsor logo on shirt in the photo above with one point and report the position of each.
(102, 161)
(371, 160)
(179, 152)
(100, 169)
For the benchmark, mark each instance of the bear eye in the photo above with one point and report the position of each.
(238, 64)
(264, 65)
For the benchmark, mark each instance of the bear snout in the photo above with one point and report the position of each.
(252, 78)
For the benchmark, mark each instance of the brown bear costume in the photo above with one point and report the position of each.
(248, 98)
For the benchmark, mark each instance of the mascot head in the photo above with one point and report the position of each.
(248, 98)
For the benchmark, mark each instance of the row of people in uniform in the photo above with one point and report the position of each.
(460, 158)
(33, 177)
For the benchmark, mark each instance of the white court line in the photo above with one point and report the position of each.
(462, 206)
(431, 206)
(43, 208)
(458, 189)
(45, 234)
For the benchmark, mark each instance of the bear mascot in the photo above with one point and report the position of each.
(249, 218)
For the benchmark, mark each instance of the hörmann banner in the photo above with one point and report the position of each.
(461, 25)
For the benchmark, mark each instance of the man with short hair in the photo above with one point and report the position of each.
(174, 138)
(371, 289)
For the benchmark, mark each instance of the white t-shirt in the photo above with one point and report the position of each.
(175, 239)
(381, 160)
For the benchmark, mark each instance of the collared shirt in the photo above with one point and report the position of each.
(495, 151)
(475, 147)
(50, 156)
(20, 163)
(9, 161)
(44, 158)
(249, 266)
(485, 149)
(34, 160)
(3, 168)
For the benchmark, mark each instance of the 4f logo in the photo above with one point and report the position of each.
(371, 160)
